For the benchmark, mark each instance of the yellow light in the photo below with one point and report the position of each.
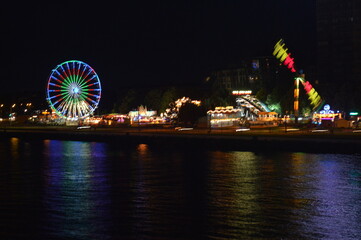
(242, 92)
(316, 100)
(296, 92)
(279, 51)
(224, 120)
(295, 105)
(278, 46)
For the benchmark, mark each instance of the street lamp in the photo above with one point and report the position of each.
(11, 112)
(1, 110)
(296, 97)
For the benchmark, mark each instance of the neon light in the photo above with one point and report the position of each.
(326, 109)
(307, 86)
(313, 96)
(315, 99)
(289, 63)
(281, 53)
(353, 113)
(74, 101)
(242, 92)
(53, 84)
(312, 92)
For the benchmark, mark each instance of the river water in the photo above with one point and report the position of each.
(51, 189)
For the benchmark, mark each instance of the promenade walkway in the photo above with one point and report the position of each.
(266, 139)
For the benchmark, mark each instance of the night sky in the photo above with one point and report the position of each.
(147, 43)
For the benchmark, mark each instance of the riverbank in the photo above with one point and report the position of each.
(255, 140)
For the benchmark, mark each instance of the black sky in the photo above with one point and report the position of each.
(147, 43)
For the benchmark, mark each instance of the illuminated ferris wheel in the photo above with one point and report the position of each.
(73, 90)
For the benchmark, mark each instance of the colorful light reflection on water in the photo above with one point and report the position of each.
(88, 190)
(76, 190)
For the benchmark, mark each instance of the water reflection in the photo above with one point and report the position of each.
(256, 196)
(157, 194)
(77, 191)
(20, 186)
(83, 190)
(233, 195)
(338, 201)
(14, 146)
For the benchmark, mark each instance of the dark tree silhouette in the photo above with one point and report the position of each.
(189, 113)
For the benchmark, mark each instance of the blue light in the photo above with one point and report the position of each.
(75, 90)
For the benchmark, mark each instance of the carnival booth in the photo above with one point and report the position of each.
(224, 117)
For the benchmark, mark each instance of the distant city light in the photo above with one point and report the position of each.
(242, 92)
(242, 129)
(320, 130)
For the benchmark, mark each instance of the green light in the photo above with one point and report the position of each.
(353, 113)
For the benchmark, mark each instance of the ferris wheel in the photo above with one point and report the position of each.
(73, 90)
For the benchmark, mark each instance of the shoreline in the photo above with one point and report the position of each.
(258, 141)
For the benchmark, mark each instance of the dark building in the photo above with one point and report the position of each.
(339, 52)
(253, 74)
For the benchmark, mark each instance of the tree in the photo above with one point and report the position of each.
(262, 95)
(153, 99)
(219, 96)
(274, 100)
(167, 97)
(189, 113)
(128, 102)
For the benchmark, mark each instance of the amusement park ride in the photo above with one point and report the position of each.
(280, 52)
(73, 90)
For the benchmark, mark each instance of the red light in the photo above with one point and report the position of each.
(289, 63)
(280, 52)
(307, 85)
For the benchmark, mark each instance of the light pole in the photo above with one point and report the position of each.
(11, 114)
(296, 95)
(1, 108)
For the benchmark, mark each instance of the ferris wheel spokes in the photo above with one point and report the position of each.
(71, 90)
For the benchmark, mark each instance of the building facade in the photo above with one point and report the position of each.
(339, 49)
(253, 74)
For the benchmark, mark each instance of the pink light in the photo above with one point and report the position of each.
(289, 62)
(307, 87)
